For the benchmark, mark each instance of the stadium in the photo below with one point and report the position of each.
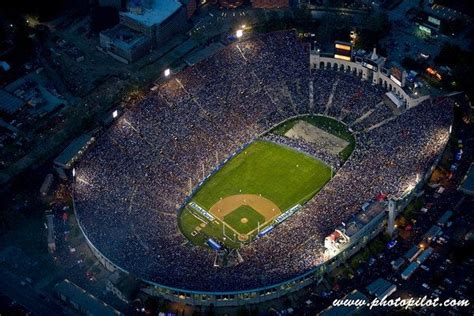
(254, 172)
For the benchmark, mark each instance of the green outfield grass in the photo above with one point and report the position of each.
(278, 173)
(283, 175)
(253, 218)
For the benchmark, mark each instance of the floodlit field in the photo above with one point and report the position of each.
(251, 190)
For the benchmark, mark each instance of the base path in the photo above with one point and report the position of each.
(262, 205)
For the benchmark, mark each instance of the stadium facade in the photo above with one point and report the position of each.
(358, 233)
(369, 67)
(345, 241)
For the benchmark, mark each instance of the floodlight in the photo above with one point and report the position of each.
(167, 72)
(115, 114)
(239, 33)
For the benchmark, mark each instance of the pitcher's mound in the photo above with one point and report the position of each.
(244, 220)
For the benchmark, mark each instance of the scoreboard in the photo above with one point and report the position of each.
(343, 50)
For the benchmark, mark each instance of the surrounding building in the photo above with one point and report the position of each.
(51, 233)
(270, 4)
(381, 288)
(9, 104)
(371, 67)
(46, 185)
(467, 185)
(82, 300)
(123, 286)
(156, 19)
(231, 4)
(144, 25)
(125, 44)
(73, 151)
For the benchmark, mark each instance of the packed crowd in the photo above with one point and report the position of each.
(130, 185)
(360, 104)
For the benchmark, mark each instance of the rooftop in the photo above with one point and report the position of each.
(156, 12)
(124, 34)
(75, 147)
(467, 185)
(9, 103)
(380, 288)
(361, 219)
(86, 301)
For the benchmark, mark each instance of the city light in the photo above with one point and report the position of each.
(32, 21)
(167, 72)
(353, 36)
(239, 33)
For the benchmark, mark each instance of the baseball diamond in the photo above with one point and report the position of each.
(245, 213)
(258, 184)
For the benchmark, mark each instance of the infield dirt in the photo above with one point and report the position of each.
(262, 205)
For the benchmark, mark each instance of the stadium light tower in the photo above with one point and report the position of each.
(167, 72)
(239, 33)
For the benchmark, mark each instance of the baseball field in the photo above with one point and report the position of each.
(250, 191)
